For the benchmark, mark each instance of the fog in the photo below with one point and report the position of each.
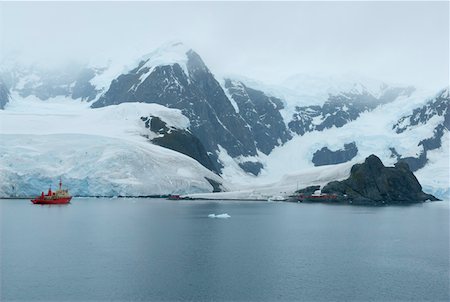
(404, 42)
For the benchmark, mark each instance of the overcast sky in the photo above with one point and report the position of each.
(406, 42)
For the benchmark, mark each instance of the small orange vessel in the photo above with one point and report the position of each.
(59, 197)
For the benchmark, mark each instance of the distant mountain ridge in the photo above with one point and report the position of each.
(342, 108)
(72, 80)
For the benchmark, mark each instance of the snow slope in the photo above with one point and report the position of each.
(30, 115)
(95, 151)
(435, 176)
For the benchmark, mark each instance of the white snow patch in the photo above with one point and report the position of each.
(168, 54)
(110, 72)
(61, 115)
(435, 176)
(231, 169)
(225, 215)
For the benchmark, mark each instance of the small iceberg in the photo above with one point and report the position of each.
(225, 215)
(276, 198)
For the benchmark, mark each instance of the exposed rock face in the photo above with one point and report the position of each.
(261, 113)
(325, 156)
(217, 187)
(4, 95)
(428, 144)
(436, 107)
(340, 109)
(178, 140)
(414, 163)
(373, 183)
(251, 167)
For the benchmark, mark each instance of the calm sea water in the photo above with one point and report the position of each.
(152, 249)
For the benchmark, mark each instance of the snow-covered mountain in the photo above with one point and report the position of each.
(241, 129)
(71, 80)
(374, 132)
(176, 77)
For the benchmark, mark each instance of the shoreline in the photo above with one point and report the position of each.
(150, 196)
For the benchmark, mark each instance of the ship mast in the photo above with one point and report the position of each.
(60, 183)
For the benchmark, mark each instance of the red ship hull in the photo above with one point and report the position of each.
(63, 200)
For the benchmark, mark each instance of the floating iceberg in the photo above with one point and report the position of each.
(225, 215)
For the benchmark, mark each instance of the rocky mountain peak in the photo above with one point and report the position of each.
(373, 163)
(174, 53)
(176, 77)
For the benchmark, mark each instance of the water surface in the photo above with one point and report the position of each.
(154, 249)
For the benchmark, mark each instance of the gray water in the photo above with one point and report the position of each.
(153, 249)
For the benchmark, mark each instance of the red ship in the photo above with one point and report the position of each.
(61, 196)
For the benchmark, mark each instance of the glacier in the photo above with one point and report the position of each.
(96, 152)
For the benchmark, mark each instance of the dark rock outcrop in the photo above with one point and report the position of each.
(373, 183)
(178, 140)
(4, 95)
(308, 190)
(325, 156)
(251, 167)
(217, 187)
(414, 163)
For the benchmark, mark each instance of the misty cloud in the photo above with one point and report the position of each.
(406, 42)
